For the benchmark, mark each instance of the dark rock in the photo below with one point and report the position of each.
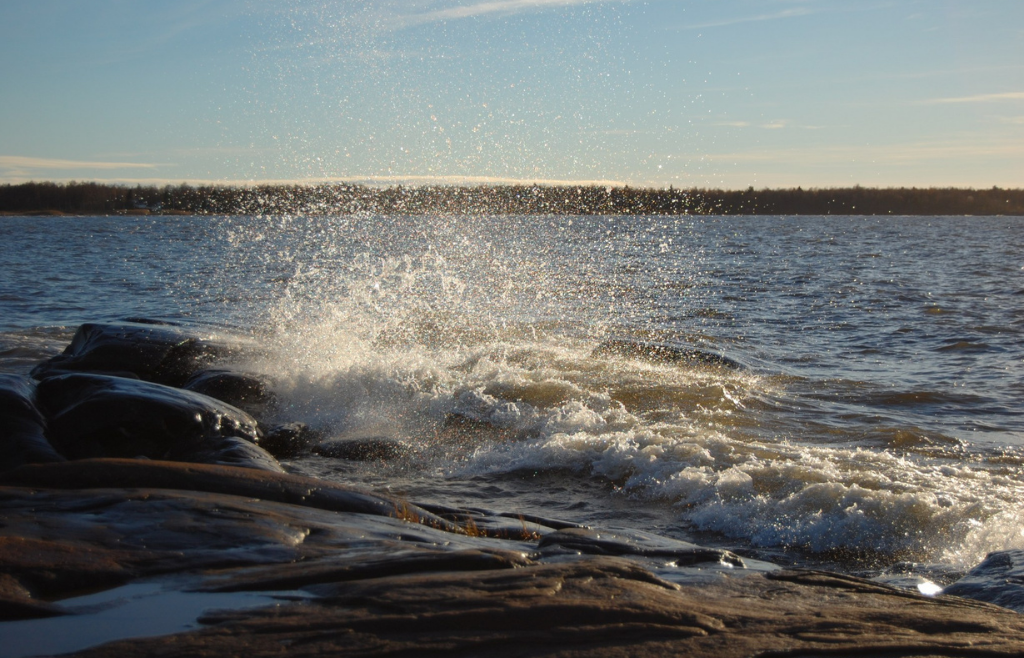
(225, 451)
(249, 393)
(22, 426)
(218, 479)
(661, 353)
(101, 416)
(154, 351)
(346, 568)
(366, 449)
(385, 586)
(998, 579)
(599, 607)
(290, 440)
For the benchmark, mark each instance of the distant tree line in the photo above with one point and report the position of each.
(98, 198)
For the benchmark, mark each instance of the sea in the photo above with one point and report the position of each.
(873, 422)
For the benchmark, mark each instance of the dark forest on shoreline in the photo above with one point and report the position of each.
(324, 199)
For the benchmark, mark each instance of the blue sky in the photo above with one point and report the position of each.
(710, 93)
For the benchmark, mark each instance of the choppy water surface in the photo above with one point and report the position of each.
(877, 422)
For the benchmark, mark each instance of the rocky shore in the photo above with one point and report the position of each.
(135, 457)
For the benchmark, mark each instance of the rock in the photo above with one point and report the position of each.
(661, 353)
(99, 523)
(591, 542)
(103, 416)
(323, 573)
(22, 426)
(595, 607)
(151, 350)
(998, 579)
(391, 580)
(250, 393)
(218, 479)
(290, 440)
(366, 449)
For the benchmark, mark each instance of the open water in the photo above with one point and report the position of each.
(876, 424)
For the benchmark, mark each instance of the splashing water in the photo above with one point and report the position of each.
(472, 339)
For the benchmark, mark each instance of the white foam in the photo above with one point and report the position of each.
(396, 344)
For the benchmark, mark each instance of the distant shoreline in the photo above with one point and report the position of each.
(55, 199)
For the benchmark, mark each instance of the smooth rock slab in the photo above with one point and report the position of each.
(95, 524)
(391, 587)
(250, 483)
(598, 607)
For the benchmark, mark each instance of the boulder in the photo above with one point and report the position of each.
(998, 579)
(104, 416)
(22, 426)
(290, 440)
(364, 449)
(250, 393)
(155, 351)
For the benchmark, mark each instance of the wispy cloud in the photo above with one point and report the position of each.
(888, 154)
(795, 12)
(778, 124)
(360, 179)
(491, 8)
(981, 98)
(465, 180)
(46, 164)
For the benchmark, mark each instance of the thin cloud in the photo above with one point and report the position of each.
(369, 180)
(464, 180)
(22, 162)
(490, 8)
(895, 154)
(771, 125)
(982, 98)
(759, 18)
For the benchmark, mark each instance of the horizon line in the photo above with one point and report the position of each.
(385, 182)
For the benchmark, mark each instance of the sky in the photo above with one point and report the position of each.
(656, 93)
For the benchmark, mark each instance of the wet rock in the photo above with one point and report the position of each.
(22, 426)
(661, 353)
(95, 524)
(461, 428)
(250, 393)
(385, 586)
(593, 542)
(365, 449)
(998, 579)
(597, 607)
(102, 416)
(155, 351)
(225, 451)
(290, 440)
(324, 574)
(218, 479)
(16, 602)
